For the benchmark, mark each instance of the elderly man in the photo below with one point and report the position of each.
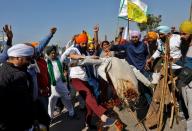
(16, 88)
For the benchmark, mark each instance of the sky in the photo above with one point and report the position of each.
(32, 19)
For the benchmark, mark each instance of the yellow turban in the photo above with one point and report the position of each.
(91, 46)
(186, 27)
(152, 35)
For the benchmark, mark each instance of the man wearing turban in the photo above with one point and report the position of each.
(151, 39)
(174, 43)
(58, 83)
(81, 38)
(15, 89)
(186, 89)
(152, 36)
(136, 51)
(136, 55)
(79, 79)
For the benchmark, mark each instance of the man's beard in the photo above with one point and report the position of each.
(163, 39)
(83, 50)
(184, 46)
(185, 41)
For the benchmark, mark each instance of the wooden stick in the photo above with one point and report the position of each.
(172, 116)
(165, 84)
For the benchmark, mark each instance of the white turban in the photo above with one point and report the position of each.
(20, 50)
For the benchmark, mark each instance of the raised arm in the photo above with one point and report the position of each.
(120, 35)
(43, 43)
(96, 30)
(9, 34)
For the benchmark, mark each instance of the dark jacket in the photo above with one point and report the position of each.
(16, 111)
(136, 54)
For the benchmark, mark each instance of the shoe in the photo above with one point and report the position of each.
(109, 122)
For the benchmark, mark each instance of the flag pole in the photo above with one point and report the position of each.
(128, 24)
(190, 17)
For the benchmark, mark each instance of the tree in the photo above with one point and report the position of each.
(152, 22)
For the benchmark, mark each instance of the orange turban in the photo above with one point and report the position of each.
(34, 44)
(81, 38)
(152, 35)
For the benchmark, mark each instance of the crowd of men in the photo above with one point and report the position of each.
(35, 77)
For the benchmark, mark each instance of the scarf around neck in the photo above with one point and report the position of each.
(51, 72)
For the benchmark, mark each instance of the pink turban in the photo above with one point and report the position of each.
(135, 33)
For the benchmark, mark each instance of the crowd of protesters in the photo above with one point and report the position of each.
(36, 79)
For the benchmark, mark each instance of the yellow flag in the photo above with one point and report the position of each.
(136, 11)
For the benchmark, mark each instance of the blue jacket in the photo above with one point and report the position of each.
(188, 62)
(136, 54)
(42, 44)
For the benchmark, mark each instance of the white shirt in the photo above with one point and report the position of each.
(61, 87)
(77, 71)
(175, 52)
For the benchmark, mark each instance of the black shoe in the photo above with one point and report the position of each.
(109, 122)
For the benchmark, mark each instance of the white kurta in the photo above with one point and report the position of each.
(60, 90)
(175, 52)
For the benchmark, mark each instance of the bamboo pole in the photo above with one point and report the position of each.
(128, 28)
(165, 85)
(190, 16)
